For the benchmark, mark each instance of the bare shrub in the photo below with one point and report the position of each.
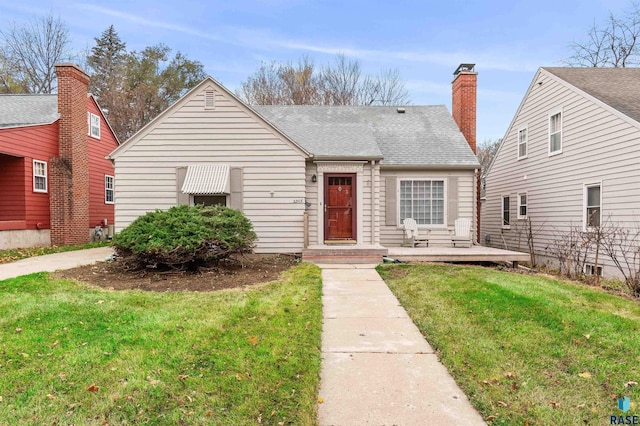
(622, 245)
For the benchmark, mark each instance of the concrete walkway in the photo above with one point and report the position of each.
(53, 262)
(377, 369)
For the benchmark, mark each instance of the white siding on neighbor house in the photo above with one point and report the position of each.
(597, 146)
(273, 170)
(392, 235)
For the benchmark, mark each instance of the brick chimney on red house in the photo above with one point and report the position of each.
(69, 172)
(463, 109)
(463, 102)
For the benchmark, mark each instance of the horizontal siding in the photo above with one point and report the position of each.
(312, 198)
(33, 142)
(364, 186)
(12, 188)
(392, 236)
(597, 146)
(99, 167)
(39, 142)
(273, 170)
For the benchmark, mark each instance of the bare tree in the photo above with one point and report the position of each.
(300, 86)
(341, 83)
(613, 43)
(387, 88)
(8, 73)
(263, 87)
(487, 150)
(33, 49)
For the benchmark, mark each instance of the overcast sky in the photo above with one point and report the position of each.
(424, 40)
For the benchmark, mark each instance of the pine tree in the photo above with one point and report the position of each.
(107, 62)
(134, 87)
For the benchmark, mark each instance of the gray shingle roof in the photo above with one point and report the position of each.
(422, 135)
(24, 110)
(616, 87)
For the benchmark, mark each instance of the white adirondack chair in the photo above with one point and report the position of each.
(462, 233)
(412, 236)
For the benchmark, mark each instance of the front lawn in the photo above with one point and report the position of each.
(526, 349)
(11, 255)
(72, 354)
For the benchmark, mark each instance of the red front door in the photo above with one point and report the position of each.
(340, 206)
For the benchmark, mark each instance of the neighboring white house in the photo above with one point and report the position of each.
(306, 176)
(570, 158)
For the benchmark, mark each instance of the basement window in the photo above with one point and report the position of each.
(591, 271)
(210, 200)
(39, 176)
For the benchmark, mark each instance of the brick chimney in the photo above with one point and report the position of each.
(69, 172)
(463, 102)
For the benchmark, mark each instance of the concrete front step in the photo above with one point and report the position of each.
(338, 254)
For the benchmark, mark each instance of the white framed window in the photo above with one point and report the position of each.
(39, 176)
(209, 99)
(108, 189)
(506, 211)
(93, 123)
(591, 271)
(592, 211)
(522, 205)
(555, 133)
(422, 200)
(522, 143)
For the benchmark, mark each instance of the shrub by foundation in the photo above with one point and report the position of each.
(184, 238)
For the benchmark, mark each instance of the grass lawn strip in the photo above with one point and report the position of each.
(526, 349)
(77, 355)
(11, 255)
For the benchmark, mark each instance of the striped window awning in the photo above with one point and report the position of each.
(206, 179)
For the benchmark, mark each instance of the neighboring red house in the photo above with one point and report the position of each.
(55, 183)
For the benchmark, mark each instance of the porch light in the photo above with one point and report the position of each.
(314, 178)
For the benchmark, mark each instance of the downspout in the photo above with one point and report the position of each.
(373, 203)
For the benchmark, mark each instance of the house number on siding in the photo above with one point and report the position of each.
(298, 201)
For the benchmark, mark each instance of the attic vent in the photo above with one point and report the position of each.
(209, 99)
(400, 110)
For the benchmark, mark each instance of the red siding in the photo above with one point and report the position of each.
(12, 188)
(21, 207)
(18, 201)
(98, 168)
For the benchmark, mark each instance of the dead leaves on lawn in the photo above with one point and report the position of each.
(508, 375)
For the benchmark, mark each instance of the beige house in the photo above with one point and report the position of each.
(570, 158)
(306, 176)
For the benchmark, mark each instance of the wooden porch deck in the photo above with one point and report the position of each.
(373, 254)
(456, 254)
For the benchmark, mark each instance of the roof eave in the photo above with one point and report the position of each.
(17, 126)
(429, 166)
(346, 158)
